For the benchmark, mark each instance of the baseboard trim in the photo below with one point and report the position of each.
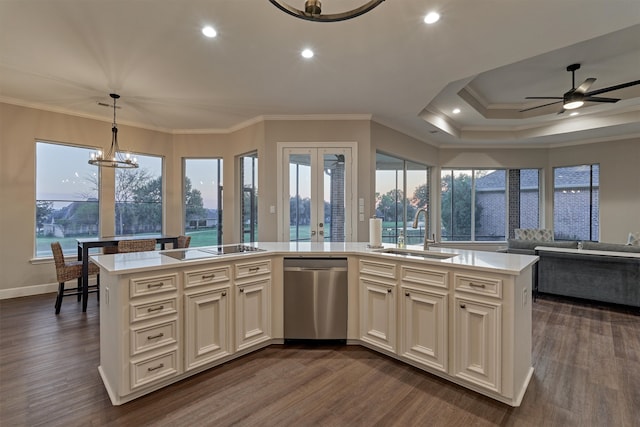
(26, 291)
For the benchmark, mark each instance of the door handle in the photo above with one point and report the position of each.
(313, 232)
(321, 233)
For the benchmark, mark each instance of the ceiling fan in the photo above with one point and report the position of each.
(577, 96)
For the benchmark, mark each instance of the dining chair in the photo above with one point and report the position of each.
(139, 245)
(184, 241)
(109, 250)
(70, 270)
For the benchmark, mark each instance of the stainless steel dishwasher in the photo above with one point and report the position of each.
(315, 299)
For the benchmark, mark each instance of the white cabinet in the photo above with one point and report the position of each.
(253, 303)
(378, 304)
(477, 342)
(207, 316)
(478, 330)
(424, 329)
(153, 330)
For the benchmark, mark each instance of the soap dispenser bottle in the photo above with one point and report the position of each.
(401, 243)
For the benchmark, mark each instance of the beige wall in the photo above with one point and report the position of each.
(20, 127)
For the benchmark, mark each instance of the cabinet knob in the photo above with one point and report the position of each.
(224, 294)
(389, 290)
(241, 290)
(407, 294)
(463, 305)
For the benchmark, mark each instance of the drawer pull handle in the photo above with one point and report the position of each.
(152, 309)
(253, 269)
(208, 276)
(153, 337)
(155, 285)
(155, 368)
(224, 294)
(477, 285)
(463, 305)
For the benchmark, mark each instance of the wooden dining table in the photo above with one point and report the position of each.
(84, 244)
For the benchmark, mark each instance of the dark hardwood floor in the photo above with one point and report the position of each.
(586, 360)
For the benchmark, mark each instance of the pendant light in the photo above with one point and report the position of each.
(113, 157)
(313, 10)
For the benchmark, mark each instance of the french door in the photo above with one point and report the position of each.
(317, 194)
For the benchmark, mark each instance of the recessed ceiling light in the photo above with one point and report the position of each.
(456, 111)
(432, 18)
(307, 53)
(209, 31)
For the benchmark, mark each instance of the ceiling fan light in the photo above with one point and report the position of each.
(572, 105)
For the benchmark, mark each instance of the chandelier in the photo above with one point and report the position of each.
(313, 11)
(113, 157)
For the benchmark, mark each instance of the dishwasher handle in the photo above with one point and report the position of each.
(315, 269)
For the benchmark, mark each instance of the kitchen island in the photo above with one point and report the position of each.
(462, 315)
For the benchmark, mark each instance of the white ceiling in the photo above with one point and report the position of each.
(68, 55)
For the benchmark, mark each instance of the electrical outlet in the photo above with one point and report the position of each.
(106, 295)
(525, 297)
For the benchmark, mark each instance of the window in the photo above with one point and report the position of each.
(249, 201)
(138, 198)
(67, 205)
(474, 205)
(203, 201)
(396, 178)
(575, 202)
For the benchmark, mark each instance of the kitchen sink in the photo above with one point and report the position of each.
(415, 253)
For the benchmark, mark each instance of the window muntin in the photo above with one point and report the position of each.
(203, 201)
(249, 200)
(396, 177)
(67, 204)
(576, 212)
(473, 204)
(138, 198)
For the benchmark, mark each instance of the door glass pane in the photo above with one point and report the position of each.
(203, 201)
(249, 176)
(299, 197)
(334, 198)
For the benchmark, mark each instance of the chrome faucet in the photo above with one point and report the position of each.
(426, 220)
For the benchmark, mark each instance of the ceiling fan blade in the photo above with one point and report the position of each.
(585, 85)
(544, 97)
(612, 88)
(540, 106)
(600, 99)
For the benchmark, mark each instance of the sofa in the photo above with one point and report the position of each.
(604, 272)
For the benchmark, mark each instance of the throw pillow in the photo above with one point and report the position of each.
(634, 239)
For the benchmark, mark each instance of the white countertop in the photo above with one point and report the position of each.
(498, 262)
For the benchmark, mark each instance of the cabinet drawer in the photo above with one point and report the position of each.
(253, 268)
(153, 285)
(150, 337)
(154, 369)
(380, 269)
(149, 310)
(207, 276)
(478, 285)
(422, 276)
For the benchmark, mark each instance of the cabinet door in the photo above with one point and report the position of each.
(425, 327)
(253, 314)
(477, 342)
(378, 314)
(207, 327)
